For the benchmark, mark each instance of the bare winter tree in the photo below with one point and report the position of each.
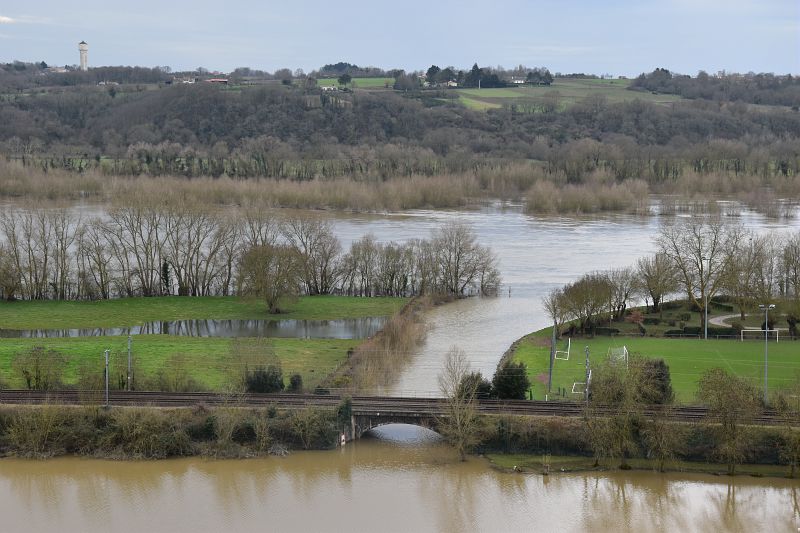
(555, 305)
(623, 286)
(315, 242)
(698, 248)
(270, 272)
(460, 424)
(463, 263)
(657, 278)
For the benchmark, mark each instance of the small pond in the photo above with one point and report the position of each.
(349, 328)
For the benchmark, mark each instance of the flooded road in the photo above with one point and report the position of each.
(389, 484)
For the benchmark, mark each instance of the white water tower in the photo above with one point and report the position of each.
(83, 48)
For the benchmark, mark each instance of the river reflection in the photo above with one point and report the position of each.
(350, 328)
(376, 485)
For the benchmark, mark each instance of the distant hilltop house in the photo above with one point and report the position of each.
(56, 70)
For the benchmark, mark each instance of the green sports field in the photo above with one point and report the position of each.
(687, 360)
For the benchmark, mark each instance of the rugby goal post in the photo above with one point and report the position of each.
(564, 354)
(758, 334)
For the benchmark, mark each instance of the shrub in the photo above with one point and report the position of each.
(296, 383)
(511, 382)
(655, 373)
(264, 380)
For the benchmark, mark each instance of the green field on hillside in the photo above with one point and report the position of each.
(364, 83)
(687, 360)
(565, 92)
(133, 311)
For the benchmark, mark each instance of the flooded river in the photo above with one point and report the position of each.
(390, 484)
(405, 480)
(535, 255)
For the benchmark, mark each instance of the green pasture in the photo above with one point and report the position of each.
(687, 360)
(133, 311)
(211, 361)
(567, 92)
(364, 83)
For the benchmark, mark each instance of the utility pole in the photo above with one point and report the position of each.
(552, 358)
(129, 363)
(107, 377)
(588, 378)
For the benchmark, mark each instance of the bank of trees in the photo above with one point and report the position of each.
(169, 248)
(296, 133)
(761, 88)
(698, 259)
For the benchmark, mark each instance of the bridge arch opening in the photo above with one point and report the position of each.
(403, 434)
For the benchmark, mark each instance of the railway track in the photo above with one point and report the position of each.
(361, 405)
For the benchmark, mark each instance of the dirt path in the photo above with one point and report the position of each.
(722, 321)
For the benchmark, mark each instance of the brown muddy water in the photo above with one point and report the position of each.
(401, 481)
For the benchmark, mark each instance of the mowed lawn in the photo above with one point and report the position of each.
(687, 360)
(133, 311)
(209, 361)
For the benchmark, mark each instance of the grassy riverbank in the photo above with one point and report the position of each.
(687, 360)
(132, 311)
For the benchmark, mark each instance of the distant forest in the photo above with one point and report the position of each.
(296, 131)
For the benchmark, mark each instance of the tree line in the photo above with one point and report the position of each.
(761, 88)
(700, 258)
(298, 133)
(170, 248)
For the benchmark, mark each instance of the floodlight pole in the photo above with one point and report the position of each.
(129, 362)
(106, 353)
(766, 309)
(588, 376)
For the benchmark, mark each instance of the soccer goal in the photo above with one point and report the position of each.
(618, 355)
(758, 334)
(563, 355)
(579, 387)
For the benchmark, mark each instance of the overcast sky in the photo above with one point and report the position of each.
(605, 36)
